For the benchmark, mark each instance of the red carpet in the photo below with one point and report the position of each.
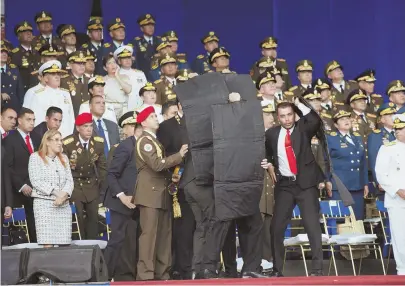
(324, 280)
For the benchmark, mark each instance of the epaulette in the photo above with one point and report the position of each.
(281, 60)
(376, 95)
(68, 140)
(333, 133)
(371, 115)
(326, 115)
(64, 89)
(34, 72)
(37, 48)
(116, 145)
(181, 61)
(200, 57)
(107, 45)
(293, 88)
(392, 143)
(15, 50)
(376, 131)
(86, 102)
(284, 71)
(288, 92)
(64, 76)
(155, 66)
(13, 66)
(40, 90)
(99, 139)
(130, 44)
(158, 37)
(181, 54)
(352, 81)
(356, 134)
(137, 38)
(338, 103)
(85, 45)
(157, 81)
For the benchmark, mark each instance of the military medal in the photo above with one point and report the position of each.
(14, 77)
(79, 150)
(91, 150)
(73, 92)
(24, 62)
(9, 73)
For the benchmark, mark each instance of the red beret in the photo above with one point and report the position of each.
(144, 114)
(84, 118)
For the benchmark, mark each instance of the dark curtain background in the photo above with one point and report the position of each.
(359, 33)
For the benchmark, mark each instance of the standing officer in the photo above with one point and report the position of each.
(145, 46)
(117, 33)
(152, 198)
(173, 39)
(24, 56)
(164, 85)
(219, 60)
(390, 169)
(304, 70)
(366, 82)
(202, 64)
(46, 53)
(348, 155)
(162, 49)
(88, 164)
(396, 94)
(12, 92)
(68, 35)
(381, 136)
(340, 87)
(95, 45)
(45, 27)
(328, 104)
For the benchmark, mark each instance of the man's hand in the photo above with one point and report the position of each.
(321, 186)
(8, 211)
(366, 191)
(329, 189)
(401, 193)
(272, 173)
(183, 150)
(264, 164)
(5, 96)
(126, 200)
(380, 188)
(27, 190)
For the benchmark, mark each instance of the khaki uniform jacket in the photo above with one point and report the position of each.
(375, 103)
(280, 64)
(361, 127)
(163, 88)
(267, 200)
(297, 90)
(153, 174)
(89, 168)
(78, 91)
(327, 120)
(337, 95)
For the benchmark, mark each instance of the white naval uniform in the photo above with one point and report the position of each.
(30, 94)
(54, 97)
(390, 171)
(109, 112)
(158, 110)
(138, 80)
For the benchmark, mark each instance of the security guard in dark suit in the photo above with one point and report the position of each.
(88, 164)
(202, 64)
(24, 56)
(117, 33)
(366, 82)
(304, 70)
(12, 92)
(348, 155)
(145, 46)
(269, 49)
(45, 27)
(95, 45)
(340, 87)
(381, 136)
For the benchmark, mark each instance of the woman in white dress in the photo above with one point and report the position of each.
(52, 182)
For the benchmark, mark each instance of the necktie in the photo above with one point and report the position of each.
(3, 70)
(48, 40)
(363, 117)
(150, 42)
(85, 146)
(327, 106)
(102, 134)
(342, 90)
(80, 79)
(27, 141)
(292, 162)
(4, 135)
(393, 134)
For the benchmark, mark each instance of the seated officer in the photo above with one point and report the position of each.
(328, 105)
(381, 136)
(201, 64)
(340, 87)
(366, 82)
(162, 49)
(219, 59)
(304, 70)
(396, 94)
(348, 157)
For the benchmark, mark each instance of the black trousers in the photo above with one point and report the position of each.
(27, 202)
(121, 251)
(229, 251)
(183, 235)
(267, 254)
(89, 225)
(288, 194)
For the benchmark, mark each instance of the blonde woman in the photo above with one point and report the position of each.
(52, 183)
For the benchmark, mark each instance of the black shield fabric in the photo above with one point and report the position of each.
(238, 141)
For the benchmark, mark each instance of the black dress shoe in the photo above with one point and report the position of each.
(275, 273)
(176, 275)
(253, 274)
(316, 273)
(206, 274)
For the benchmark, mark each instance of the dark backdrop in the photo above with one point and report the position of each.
(359, 33)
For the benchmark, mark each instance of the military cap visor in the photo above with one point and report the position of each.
(387, 109)
(367, 76)
(356, 95)
(167, 59)
(115, 24)
(311, 94)
(94, 24)
(43, 17)
(22, 27)
(332, 66)
(163, 44)
(67, 30)
(127, 118)
(146, 19)
(264, 78)
(53, 66)
(268, 108)
(77, 57)
(49, 51)
(304, 66)
(321, 84)
(265, 62)
(171, 36)
(210, 37)
(97, 80)
(394, 86)
(147, 87)
(399, 121)
(183, 75)
(340, 114)
(269, 43)
(218, 52)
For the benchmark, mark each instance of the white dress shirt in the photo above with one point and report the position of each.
(323, 104)
(267, 101)
(171, 80)
(107, 138)
(337, 85)
(283, 165)
(306, 86)
(147, 38)
(118, 44)
(348, 137)
(82, 141)
(109, 112)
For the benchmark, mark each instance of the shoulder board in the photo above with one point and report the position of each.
(85, 45)
(181, 60)
(376, 95)
(158, 105)
(158, 37)
(34, 72)
(326, 115)
(65, 75)
(37, 48)
(352, 81)
(333, 133)
(137, 38)
(181, 54)
(200, 57)
(107, 45)
(40, 90)
(392, 143)
(68, 140)
(339, 103)
(130, 44)
(64, 89)
(371, 115)
(288, 92)
(293, 88)
(116, 145)
(158, 81)
(155, 66)
(13, 66)
(15, 50)
(376, 131)
(356, 134)
(86, 102)
(281, 60)
(98, 139)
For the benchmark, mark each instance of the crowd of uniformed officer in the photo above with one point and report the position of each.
(357, 121)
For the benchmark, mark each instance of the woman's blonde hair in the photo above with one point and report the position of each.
(43, 148)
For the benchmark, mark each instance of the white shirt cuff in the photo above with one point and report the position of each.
(20, 190)
(120, 194)
(304, 109)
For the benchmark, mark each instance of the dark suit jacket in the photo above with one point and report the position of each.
(121, 177)
(16, 158)
(188, 173)
(112, 129)
(309, 172)
(40, 129)
(6, 190)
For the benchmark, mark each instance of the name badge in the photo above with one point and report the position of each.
(343, 145)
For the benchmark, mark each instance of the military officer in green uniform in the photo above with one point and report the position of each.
(262, 65)
(366, 82)
(269, 49)
(45, 28)
(164, 85)
(117, 33)
(396, 94)
(153, 199)
(24, 56)
(201, 64)
(76, 83)
(304, 70)
(88, 164)
(328, 104)
(173, 39)
(340, 87)
(219, 60)
(67, 34)
(162, 49)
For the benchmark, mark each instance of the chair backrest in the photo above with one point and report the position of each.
(296, 216)
(333, 211)
(380, 206)
(107, 217)
(19, 215)
(73, 208)
(385, 225)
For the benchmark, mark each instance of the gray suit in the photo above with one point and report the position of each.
(112, 130)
